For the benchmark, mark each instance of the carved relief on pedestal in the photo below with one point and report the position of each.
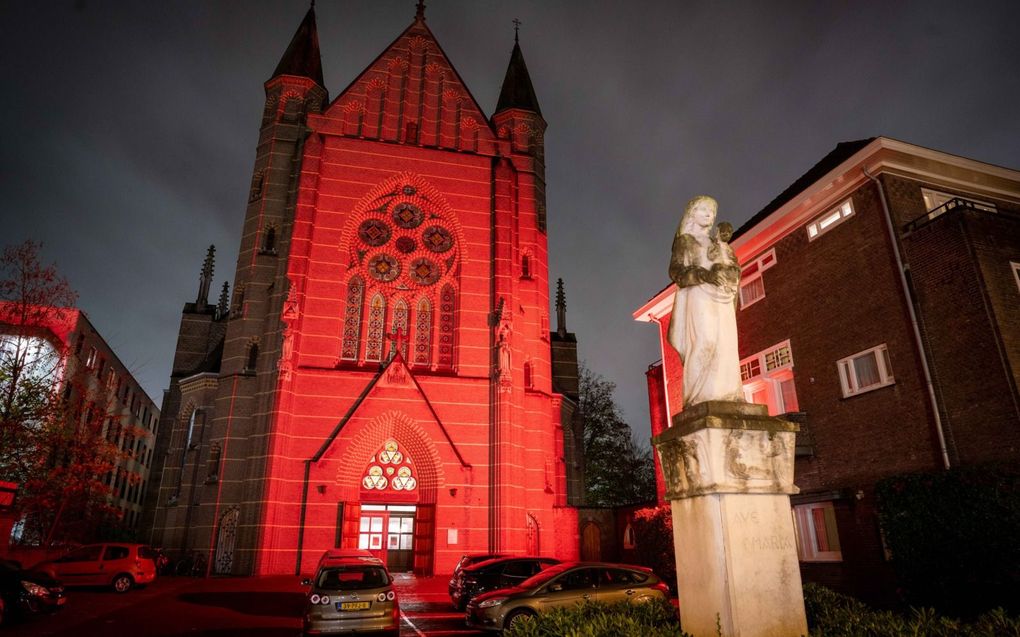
(720, 459)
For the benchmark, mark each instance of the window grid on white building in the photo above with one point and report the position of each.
(768, 379)
(830, 220)
(752, 285)
(865, 371)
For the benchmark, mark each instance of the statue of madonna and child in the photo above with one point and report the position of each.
(703, 327)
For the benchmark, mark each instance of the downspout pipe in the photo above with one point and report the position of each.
(915, 326)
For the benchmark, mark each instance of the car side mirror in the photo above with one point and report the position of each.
(306, 582)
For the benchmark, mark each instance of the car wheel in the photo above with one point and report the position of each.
(518, 617)
(123, 583)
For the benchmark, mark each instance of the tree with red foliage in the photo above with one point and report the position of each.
(55, 419)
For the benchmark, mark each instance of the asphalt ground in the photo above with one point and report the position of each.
(219, 607)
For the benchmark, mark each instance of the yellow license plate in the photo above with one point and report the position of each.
(354, 605)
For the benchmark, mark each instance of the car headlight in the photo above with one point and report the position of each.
(34, 589)
(495, 601)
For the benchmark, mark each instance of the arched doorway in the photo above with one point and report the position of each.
(389, 507)
(591, 542)
(226, 537)
(534, 541)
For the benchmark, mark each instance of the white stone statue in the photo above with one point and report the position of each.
(703, 327)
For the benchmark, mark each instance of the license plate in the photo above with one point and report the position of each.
(353, 605)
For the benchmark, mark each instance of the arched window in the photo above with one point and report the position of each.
(399, 325)
(269, 241)
(447, 314)
(352, 319)
(253, 358)
(423, 333)
(529, 381)
(525, 266)
(376, 327)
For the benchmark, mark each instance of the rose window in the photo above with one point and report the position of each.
(437, 239)
(374, 232)
(408, 215)
(424, 271)
(390, 468)
(406, 245)
(405, 258)
(384, 268)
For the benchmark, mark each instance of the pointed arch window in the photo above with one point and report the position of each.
(352, 319)
(398, 324)
(390, 470)
(447, 316)
(529, 379)
(423, 333)
(376, 326)
(253, 358)
(269, 241)
(525, 266)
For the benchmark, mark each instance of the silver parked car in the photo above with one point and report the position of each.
(351, 592)
(565, 584)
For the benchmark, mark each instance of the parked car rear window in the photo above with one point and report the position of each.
(146, 552)
(352, 578)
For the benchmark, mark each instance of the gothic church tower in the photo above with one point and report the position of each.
(386, 373)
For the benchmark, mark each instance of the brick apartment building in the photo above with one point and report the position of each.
(80, 353)
(880, 309)
(384, 375)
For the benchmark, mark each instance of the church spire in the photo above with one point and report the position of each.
(517, 91)
(302, 56)
(205, 279)
(419, 11)
(561, 309)
(224, 305)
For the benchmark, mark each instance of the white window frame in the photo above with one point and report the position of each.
(767, 371)
(848, 379)
(935, 199)
(1016, 273)
(754, 278)
(807, 533)
(832, 218)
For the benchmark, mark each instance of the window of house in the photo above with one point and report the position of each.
(768, 379)
(1016, 273)
(830, 220)
(90, 360)
(817, 536)
(934, 201)
(752, 286)
(865, 371)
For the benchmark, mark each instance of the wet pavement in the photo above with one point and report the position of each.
(218, 607)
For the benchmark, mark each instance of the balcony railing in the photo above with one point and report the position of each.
(952, 204)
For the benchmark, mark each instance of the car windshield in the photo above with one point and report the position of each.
(544, 576)
(351, 578)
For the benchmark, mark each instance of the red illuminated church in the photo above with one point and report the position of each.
(383, 374)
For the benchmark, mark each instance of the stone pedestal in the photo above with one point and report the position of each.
(729, 476)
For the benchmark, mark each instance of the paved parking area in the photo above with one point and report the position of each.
(218, 607)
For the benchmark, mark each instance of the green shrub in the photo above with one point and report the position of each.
(952, 535)
(831, 614)
(652, 619)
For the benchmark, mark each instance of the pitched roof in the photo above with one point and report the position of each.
(842, 152)
(517, 91)
(302, 57)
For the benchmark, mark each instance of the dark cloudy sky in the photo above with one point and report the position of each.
(128, 129)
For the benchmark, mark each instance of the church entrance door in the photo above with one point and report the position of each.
(387, 531)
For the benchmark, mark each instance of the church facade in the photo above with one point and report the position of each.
(384, 374)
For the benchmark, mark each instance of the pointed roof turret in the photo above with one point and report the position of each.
(302, 56)
(517, 91)
(205, 279)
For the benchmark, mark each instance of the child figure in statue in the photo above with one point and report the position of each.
(703, 326)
